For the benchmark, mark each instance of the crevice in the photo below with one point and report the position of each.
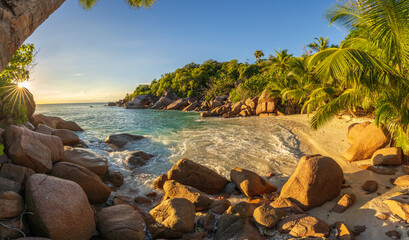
(5, 4)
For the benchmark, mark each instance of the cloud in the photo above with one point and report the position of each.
(79, 75)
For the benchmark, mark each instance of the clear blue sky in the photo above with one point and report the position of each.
(101, 54)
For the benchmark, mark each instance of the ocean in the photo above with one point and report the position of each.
(258, 144)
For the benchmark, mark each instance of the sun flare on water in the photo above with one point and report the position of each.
(24, 84)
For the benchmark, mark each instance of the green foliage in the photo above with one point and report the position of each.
(88, 4)
(18, 69)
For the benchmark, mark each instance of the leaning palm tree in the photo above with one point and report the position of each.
(29, 15)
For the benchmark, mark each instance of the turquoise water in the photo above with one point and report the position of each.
(257, 144)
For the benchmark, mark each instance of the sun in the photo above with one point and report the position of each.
(24, 84)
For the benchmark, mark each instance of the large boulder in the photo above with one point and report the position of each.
(236, 108)
(68, 137)
(174, 189)
(191, 107)
(302, 225)
(120, 222)
(137, 159)
(138, 102)
(44, 129)
(316, 180)
(387, 156)
(11, 205)
(178, 104)
(268, 216)
(354, 131)
(92, 161)
(252, 103)
(55, 123)
(266, 104)
(192, 174)
(60, 209)
(33, 150)
(177, 215)
(15, 173)
(167, 98)
(120, 140)
(370, 139)
(96, 191)
(250, 183)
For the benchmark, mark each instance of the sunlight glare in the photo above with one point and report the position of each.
(23, 84)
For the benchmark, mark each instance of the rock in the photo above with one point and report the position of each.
(354, 131)
(44, 129)
(286, 205)
(358, 230)
(140, 200)
(245, 113)
(250, 183)
(137, 159)
(215, 104)
(167, 98)
(116, 178)
(11, 205)
(302, 225)
(342, 232)
(266, 104)
(31, 149)
(382, 216)
(191, 107)
(252, 103)
(96, 191)
(160, 181)
(68, 137)
(370, 186)
(174, 189)
(192, 174)
(238, 229)
(138, 102)
(316, 180)
(176, 215)
(344, 203)
(236, 108)
(220, 206)
(120, 140)
(15, 173)
(205, 114)
(399, 206)
(379, 170)
(221, 98)
(33, 238)
(68, 125)
(11, 229)
(393, 234)
(209, 222)
(41, 119)
(92, 161)
(60, 208)
(387, 156)
(178, 104)
(120, 222)
(267, 216)
(9, 185)
(402, 181)
(370, 139)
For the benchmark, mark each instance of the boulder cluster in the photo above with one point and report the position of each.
(263, 106)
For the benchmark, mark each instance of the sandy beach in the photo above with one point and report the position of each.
(332, 141)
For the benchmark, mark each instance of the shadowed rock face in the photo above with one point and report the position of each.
(18, 20)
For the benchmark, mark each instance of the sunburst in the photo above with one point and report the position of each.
(15, 94)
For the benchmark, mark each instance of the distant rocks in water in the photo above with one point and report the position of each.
(250, 183)
(316, 180)
(92, 161)
(200, 177)
(31, 149)
(365, 140)
(165, 100)
(55, 123)
(139, 102)
(120, 140)
(178, 104)
(137, 159)
(60, 208)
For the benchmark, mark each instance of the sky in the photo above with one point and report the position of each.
(101, 54)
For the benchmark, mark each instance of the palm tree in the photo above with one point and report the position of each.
(373, 62)
(281, 61)
(258, 54)
(319, 44)
(30, 15)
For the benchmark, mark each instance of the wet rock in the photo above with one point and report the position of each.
(302, 225)
(174, 189)
(96, 191)
(192, 174)
(116, 178)
(370, 186)
(68, 137)
(250, 183)
(387, 156)
(342, 232)
(286, 205)
(137, 159)
(220, 206)
(44, 129)
(344, 203)
(49, 198)
(316, 180)
(267, 216)
(176, 215)
(120, 222)
(370, 139)
(11, 205)
(31, 149)
(266, 104)
(159, 181)
(92, 161)
(120, 140)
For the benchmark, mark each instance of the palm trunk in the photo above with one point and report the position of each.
(18, 20)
